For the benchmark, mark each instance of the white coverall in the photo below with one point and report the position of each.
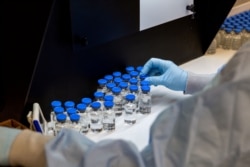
(209, 129)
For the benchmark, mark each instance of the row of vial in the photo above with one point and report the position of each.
(234, 32)
(117, 94)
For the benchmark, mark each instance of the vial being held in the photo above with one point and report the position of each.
(130, 109)
(96, 117)
(108, 116)
(145, 100)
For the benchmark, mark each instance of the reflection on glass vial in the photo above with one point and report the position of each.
(108, 116)
(130, 109)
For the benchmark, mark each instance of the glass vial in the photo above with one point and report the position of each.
(118, 101)
(108, 116)
(96, 117)
(102, 85)
(84, 118)
(87, 101)
(130, 109)
(145, 102)
(75, 125)
(109, 78)
(60, 123)
(212, 47)
(236, 39)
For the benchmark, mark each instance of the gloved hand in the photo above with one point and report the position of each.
(165, 72)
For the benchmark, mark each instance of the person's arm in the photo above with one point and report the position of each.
(22, 148)
(7, 137)
(196, 82)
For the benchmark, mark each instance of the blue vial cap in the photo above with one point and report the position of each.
(95, 105)
(248, 29)
(99, 94)
(129, 69)
(61, 117)
(116, 90)
(58, 110)
(110, 85)
(143, 76)
(222, 27)
(81, 107)
(108, 104)
(117, 74)
(130, 97)
(74, 117)
(86, 100)
(108, 97)
(126, 77)
(69, 104)
(123, 85)
(117, 80)
(237, 31)
(145, 83)
(228, 30)
(102, 81)
(71, 111)
(134, 73)
(56, 103)
(145, 89)
(108, 77)
(133, 88)
(139, 68)
(133, 81)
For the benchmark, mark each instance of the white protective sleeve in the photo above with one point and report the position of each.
(7, 137)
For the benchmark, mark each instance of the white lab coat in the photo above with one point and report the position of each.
(209, 129)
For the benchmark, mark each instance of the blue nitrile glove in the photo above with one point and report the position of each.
(165, 72)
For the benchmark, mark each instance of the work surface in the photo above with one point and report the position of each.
(162, 98)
